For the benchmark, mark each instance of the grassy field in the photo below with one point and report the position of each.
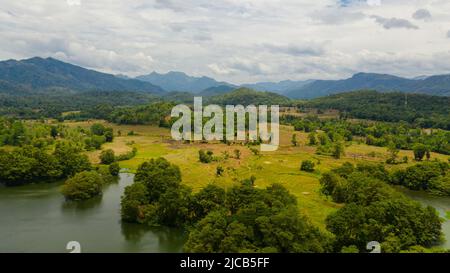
(282, 166)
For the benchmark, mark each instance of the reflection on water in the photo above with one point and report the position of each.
(36, 218)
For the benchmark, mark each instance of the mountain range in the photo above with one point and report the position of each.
(180, 82)
(38, 74)
(433, 85)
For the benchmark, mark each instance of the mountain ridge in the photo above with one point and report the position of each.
(431, 85)
(40, 74)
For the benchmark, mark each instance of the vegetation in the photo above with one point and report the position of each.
(307, 166)
(383, 134)
(82, 186)
(374, 211)
(421, 110)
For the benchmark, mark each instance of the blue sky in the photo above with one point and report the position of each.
(234, 40)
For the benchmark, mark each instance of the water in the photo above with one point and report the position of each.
(440, 203)
(36, 218)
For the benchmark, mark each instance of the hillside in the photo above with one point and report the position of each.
(434, 85)
(37, 74)
(179, 81)
(216, 90)
(282, 87)
(429, 111)
(246, 96)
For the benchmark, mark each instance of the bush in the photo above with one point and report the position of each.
(127, 156)
(84, 185)
(307, 166)
(114, 169)
(205, 157)
(107, 157)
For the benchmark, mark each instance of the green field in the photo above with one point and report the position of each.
(282, 166)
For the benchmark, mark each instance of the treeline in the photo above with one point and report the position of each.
(374, 211)
(43, 152)
(32, 165)
(241, 219)
(40, 134)
(383, 134)
(54, 103)
(418, 109)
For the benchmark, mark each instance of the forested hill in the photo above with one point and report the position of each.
(428, 111)
(246, 96)
(37, 74)
(435, 85)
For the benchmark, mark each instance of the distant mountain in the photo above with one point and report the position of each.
(433, 85)
(281, 87)
(179, 81)
(216, 90)
(37, 74)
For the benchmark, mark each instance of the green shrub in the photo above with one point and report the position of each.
(84, 185)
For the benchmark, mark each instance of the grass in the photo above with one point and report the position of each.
(282, 166)
(447, 214)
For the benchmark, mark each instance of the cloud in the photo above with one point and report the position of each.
(302, 49)
(390, 23)
(232, 40)
(73, 2)
(422, 14)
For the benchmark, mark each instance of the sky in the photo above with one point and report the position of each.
(239, 41)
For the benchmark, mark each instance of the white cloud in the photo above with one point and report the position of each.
(73, 2)
(233, 40)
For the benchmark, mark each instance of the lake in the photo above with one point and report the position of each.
(36, 218)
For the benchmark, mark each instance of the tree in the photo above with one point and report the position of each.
(98, 129)
(419, 151)
(135, 196)
(54, 131)
(294, 140)
(312, 139)
(84, 185)
(70, 159)
(114, 169)
(307, 166)
(253, 220)
(219, 171)
(158, 175)
(208, 199)
(205, 157)
(107, 157)
(338, 150)
(237, 154)
(109, 134)
(393, 154)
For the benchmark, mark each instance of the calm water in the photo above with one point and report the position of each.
(35, 218)
(441, 204)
